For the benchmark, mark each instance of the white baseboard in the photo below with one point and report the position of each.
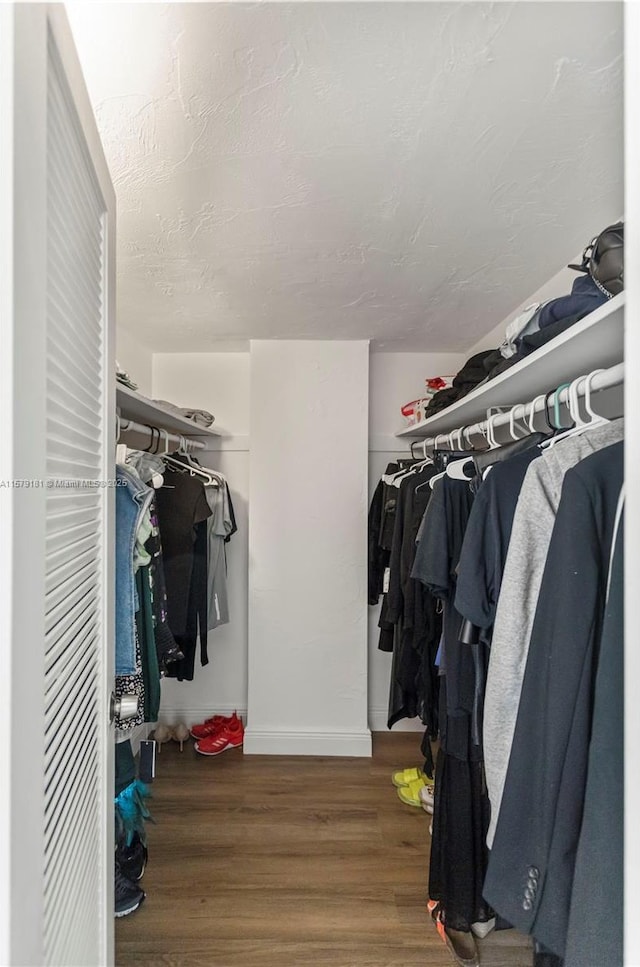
(378, 722)
(262, 742)
(191, 716)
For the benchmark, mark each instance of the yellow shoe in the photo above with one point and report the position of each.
(406, 776)
(411, 794)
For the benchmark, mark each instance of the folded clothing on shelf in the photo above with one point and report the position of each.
(201, 417)
(124, 378)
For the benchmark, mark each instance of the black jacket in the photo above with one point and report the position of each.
(530, 876)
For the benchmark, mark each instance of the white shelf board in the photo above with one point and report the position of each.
(596, 342)
(133, 406)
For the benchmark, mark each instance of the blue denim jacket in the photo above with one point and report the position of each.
(132, 499)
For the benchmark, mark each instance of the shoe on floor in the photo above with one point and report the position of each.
(411, 794)
(213, 725)
(229, 736)
(482, 929)
(405, 776)
(128, 897)
(132, 859)
(460, 944)
(426, 797)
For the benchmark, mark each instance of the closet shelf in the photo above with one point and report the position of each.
(596, 342)
(133, 406)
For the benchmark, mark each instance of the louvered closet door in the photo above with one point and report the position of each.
(56, 603)
(75, 670)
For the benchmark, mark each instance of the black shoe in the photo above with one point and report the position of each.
(132, 859)
(128, 896)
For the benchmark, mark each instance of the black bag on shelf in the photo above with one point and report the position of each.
(603, 260)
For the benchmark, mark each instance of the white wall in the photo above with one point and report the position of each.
(308, 535)
(218, 382)
(135, 358)
(394, 379)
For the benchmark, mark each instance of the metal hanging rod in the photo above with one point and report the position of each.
(597, 381)
(161, 438)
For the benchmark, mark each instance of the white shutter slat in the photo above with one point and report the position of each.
(87, 350)
(71, 241)
(60, 307)
(75, 539)
(58, 410)
(66, 615)
(63, 577)
(66, 757)
(80, 256)
(60, 429)
(59, 370)
(77, 682)
(73, 867)
(75, 366)
(65, 537)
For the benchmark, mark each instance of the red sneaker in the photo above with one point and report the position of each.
(230, 736)
(213, 725)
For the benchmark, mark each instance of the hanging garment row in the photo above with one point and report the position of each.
(174, 518)
(520, 548)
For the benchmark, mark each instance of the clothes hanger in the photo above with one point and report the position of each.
(415, 468)
(580, 425)
(192, 461)
(457, 469)
(396, 478)
(438, 476)
(558, 431)
(532, 412)
(512, 421)
(181, 465)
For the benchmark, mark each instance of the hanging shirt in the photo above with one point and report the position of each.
(530, 872)
(526, 556)
(182, 505)
(218, 529)
(486, 540)
(598, 875)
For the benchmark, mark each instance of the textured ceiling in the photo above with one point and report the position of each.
(405, 172)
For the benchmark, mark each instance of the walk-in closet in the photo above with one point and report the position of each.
(319, 483)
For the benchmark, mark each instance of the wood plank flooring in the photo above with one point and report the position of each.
(260, 861)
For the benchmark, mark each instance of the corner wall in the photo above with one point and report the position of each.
(307, 655)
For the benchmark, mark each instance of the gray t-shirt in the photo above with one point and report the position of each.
(218, 528)
(532, 527)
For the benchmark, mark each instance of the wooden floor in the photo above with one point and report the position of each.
(261, 861)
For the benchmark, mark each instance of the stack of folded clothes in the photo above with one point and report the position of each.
(536, 326)
(201, 417)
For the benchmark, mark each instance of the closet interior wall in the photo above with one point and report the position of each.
(220, 382)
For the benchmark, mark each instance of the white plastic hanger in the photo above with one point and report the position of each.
(574, 409)
(438, 476)
(456, 469)
(415, 468)
(532, 411)
(512, 423)
(186, 467)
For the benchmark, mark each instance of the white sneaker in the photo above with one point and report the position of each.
(482, 930)
(426, 795)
